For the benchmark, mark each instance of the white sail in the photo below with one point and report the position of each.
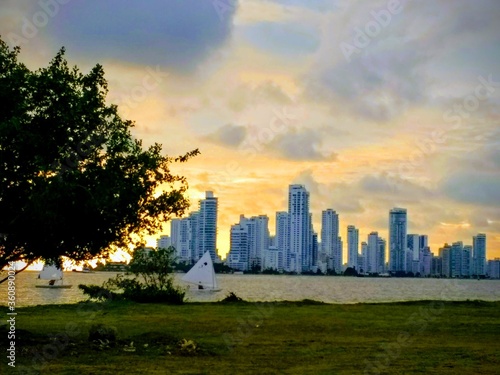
(202, 273)
(51, 273)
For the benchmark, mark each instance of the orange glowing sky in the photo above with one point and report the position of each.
(266, 91)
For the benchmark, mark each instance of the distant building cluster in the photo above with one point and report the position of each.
(196, 234)
(296, 248)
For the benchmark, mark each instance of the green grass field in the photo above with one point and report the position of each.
(261, 338)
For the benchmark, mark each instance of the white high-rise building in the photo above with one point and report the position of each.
(364, 256)
(479, 254)
(207, 226)
(456, 259)
(282, 238)
(413, 244)
(425, 262)
(445, 255)
(373, 250)
(273, 259)
(194, 240)
(381, 255)
(258, 240)
(352, 246)
(494, 268)
(330, 238)
(397, 239)
(164, 242)
(467, 261)
(299, 229)
(423, 241)
(238, 253)
(180, 238)
(249, 243)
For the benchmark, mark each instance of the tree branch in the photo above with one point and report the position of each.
(21, 270)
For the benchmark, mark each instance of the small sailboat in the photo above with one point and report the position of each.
(203, 274)
(55, 277)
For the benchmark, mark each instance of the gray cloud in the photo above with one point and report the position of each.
(407, 62)
(473, 187)
(301, 144)
(228, 135)
(179, 34)
(267, 93)
(394, 188)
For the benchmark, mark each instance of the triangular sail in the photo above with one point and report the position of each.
(202, 273)
(51, 273)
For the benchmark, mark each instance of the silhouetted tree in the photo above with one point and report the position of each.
(73, 181)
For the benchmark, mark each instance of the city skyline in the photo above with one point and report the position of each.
(333, 218)
(294, 246)
(371, 106)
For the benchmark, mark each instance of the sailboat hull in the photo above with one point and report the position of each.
(204, 290)
(54, 286)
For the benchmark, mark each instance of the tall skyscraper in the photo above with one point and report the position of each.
(467, 261)
(249, 243)
(445, 255)
(330, 238)
(456, 259)
(479, 254)
(352, 246)
(282, 237)
(364, 257)
(180, 238)
(207, 226)
(315, 249)
(372, 264)
(423, 241)
(298, 259)
(375, 254)
(397, 239)
(258, 239)
(413, 244)
(381, 255)
(194, 240)
(238, 253)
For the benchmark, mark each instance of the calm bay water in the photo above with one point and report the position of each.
(277, 288)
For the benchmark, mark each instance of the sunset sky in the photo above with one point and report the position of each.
(370, 105)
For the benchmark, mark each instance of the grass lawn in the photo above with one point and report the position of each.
(260, 338)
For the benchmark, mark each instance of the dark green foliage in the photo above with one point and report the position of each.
(350, 271)
(73, 180)
(99, 293)
(103, 333)
(152, 281)
(232, 297)
(270, 271)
